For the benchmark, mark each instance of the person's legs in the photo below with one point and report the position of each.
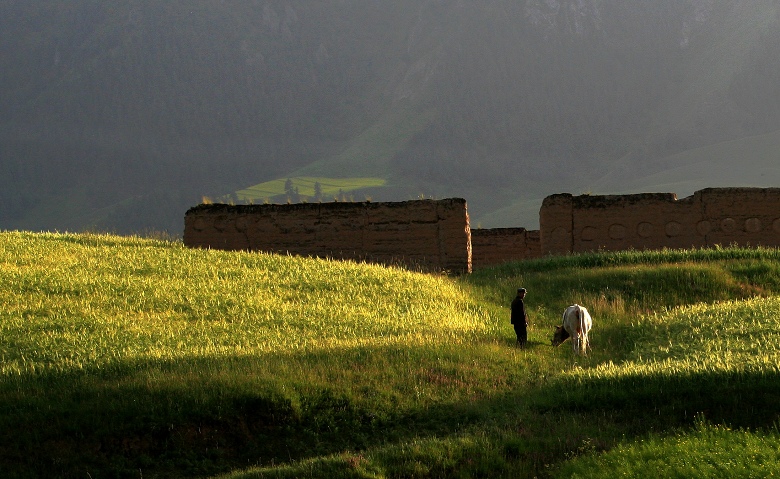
(522, 335)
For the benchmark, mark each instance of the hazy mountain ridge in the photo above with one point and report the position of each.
(122, 115)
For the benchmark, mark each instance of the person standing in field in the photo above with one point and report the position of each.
(519, 318)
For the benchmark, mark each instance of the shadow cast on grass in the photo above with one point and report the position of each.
(662, 401)
(198, 417)
(205, 416)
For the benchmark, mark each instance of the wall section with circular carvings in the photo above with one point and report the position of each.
(589, 233)
(617, 231)
(728, 225)
(753, 225)
(644, 229)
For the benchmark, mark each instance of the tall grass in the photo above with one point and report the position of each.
(103, 300)
(102, 329)
(722, 353)
(707, 451)
(124, 357)
(719, 361)
(638, 257)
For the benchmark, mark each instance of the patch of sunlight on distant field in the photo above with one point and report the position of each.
(330, 187)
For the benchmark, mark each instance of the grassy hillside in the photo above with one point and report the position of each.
(122, 357)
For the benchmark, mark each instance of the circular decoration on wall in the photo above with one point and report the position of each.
(728, 225)
(673, 228)
(645, 230)
(589, 233)
(703, 227)
(617, 231)
(753, 225)
(200, 224)
(776, 226)
(220, 224)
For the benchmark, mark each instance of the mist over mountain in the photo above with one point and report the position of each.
(121, 115)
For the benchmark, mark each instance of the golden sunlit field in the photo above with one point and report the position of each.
(132, 357)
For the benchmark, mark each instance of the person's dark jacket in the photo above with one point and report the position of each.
(518, 315)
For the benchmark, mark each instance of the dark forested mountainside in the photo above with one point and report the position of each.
(120, 115)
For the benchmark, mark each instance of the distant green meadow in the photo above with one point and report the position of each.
(130, 357)
(330, 187)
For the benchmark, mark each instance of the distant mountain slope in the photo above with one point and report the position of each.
(750, 161)
(121, 115)
(728, 67)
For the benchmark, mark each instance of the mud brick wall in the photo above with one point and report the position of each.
(435, 235)
(642, 221)
(555, 224)
(426, 234)
(743, 216)
(499, 245)
(713, 216)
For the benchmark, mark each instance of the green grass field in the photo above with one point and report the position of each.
(130, 357)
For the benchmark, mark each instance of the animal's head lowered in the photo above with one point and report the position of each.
(559, 336)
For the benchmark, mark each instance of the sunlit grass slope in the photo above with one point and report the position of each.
(720, 361)
(672, 348)
(127, 356)
(104, 301)
(145, 341)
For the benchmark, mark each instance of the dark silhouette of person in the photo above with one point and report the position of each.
(519, 318)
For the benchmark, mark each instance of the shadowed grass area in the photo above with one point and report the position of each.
(127, 356)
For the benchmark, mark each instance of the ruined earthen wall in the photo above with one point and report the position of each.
(500, 245)
(713, 216)
(427, 234)
(743, 216)
(643, 221)
(435, 235)
(555, 224)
